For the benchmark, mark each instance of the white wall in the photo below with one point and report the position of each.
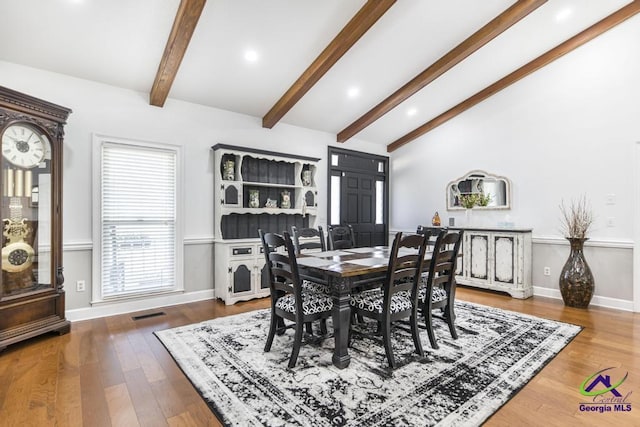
(566, 130)
(107, 110)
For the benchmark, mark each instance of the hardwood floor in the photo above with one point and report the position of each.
(113, 371)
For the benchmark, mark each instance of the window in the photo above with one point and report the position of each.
(380, 202)
(335, 199)
(137, 229)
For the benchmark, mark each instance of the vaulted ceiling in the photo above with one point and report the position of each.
(384, 71)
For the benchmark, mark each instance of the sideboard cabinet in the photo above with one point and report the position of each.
(256, 189)
(497, 259)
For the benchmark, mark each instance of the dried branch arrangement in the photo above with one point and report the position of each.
(577, 218)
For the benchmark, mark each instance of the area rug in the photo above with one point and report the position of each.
(462, 383)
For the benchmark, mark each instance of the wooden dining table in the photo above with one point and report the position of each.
(344, 270)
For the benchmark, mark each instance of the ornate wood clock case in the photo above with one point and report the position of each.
(31, 291)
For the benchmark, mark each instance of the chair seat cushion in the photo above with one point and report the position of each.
(312, 303)
(373, 300)
(438, 295)
(316, 287)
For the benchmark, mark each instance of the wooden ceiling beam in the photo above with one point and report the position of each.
(184, 25)
(348, 36)
(562, 49)
(484, 35)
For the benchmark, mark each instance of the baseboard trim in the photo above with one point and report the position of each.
(615, 303)
(87, 313)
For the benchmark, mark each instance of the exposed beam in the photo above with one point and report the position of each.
(350, 34)
(484, 35)
(184, 24)
(562, 49)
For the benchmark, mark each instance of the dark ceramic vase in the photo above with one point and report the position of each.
(576, 280)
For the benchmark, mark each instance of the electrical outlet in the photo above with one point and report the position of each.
(80, 286)
(611, 222)
(547, 271)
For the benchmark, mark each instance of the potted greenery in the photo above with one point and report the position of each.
(468, 201)
(484, 199)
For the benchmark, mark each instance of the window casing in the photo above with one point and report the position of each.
(137, 224)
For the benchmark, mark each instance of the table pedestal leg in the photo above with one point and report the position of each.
(341, 321)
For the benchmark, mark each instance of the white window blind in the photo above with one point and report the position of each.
(138, 219)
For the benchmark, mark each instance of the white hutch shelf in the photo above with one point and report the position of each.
(239, 174)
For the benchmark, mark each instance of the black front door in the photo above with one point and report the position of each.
(361, 181)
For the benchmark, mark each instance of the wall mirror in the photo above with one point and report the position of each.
(480, 190)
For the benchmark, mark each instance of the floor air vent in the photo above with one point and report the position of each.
(145, 316)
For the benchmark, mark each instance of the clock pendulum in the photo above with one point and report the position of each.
(17, 254)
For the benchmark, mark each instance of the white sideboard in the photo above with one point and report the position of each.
(498, 259)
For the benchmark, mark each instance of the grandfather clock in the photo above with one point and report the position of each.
(31, 291)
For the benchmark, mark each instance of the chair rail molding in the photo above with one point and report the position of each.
(198, 240)
(88, 245)
(556, 240)
(77, 246)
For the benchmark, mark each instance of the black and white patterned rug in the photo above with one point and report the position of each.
(462, 383)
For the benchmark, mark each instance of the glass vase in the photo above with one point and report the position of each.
(468, 217)
(576, 280)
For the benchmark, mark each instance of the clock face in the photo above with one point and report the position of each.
(23, 146)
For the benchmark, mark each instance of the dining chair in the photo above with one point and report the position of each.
(289, 301)
(340, 237)
(301, 238)
(397, 299)
(433, 233)
(310, 280)
(438, 289)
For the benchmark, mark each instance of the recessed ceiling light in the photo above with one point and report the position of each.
(412, 111)
(353, 91)
(563, 14)
(251, 56)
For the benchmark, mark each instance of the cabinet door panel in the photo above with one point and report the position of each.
(504, 261)
(479, 256)
(264, 277)
(231, 195)
(240, 278)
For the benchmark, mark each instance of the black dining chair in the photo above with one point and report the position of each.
(433, 233)
(340, 237)
(398, 297)
(310, 239)
(306, 238)
(438, 289)
(289, 300)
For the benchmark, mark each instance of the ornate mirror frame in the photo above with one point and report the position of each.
(481, 183)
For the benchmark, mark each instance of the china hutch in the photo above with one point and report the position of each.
(256, 189)
(31, 287)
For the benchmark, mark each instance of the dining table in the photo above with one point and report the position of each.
(345, 270)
